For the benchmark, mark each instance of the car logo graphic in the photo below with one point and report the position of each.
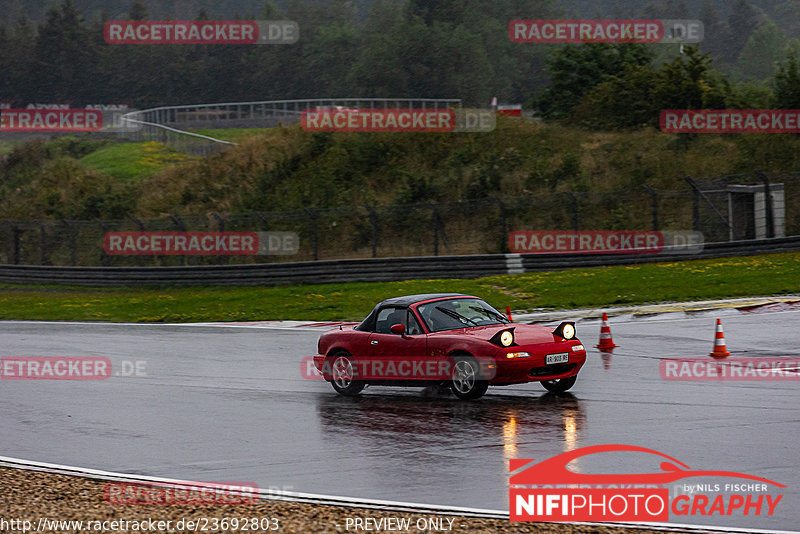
(554, 470)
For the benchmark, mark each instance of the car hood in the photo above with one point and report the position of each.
(524, 334)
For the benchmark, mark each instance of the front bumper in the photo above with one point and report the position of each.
(534, 368)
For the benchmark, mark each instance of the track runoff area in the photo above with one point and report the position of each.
(631, 395)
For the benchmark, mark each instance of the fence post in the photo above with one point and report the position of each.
(574, 205)
(42, 243)
(14, 240)
(503, 224)
(654, 205)
(315, 234)
(265, 227)
(434, 222)
(768, 205)
(373, 221)
(73, 254)
(713, 207)
(438, 228)
(182, 228)
(220, 221)
(435, 237)
(105, 258)
(140, 259)
(263, 218)
(221, 227)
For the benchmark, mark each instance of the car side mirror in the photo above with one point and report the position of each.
(398, 329)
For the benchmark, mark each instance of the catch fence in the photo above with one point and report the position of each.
(174, 125)
(728, 208)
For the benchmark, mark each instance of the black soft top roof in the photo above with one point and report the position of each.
(411, 299)
(368, 324)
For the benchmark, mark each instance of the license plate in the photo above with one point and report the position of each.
(556, 358)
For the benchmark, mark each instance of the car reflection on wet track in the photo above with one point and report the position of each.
(383, 420)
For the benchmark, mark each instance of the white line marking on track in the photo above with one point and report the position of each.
(352, 502)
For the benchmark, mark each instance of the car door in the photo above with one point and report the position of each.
(393, 356)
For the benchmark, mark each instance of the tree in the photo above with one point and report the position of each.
(622, 101)
(65, 58)
(138, 11)
(270, 11)
(5, 82)
(742, 21)
(16, 58)
(11, 10)
(689, 82)
(766, 46)
(636, 96)
(445, 11)
(574, 70)
(786, 83)
(717, 33)
(667, 10)
(708, 15)
(787, 16)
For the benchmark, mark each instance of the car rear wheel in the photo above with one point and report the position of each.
(466, 380)
(343, 374)
(559, 385)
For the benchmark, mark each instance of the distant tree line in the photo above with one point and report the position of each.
(411, 49)
(607, 86)
(408, 48)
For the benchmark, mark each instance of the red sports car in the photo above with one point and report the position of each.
(447, 339)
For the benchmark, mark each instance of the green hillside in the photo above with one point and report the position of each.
(287, 168)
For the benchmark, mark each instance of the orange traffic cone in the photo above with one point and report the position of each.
(606, 341)
(508, 313)
(720, 350)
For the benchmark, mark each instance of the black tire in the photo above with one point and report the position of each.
(559, 385)
(342, 376)
(466, 379)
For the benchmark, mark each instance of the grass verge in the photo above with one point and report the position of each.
(233, 135)
(131, 161)
(770, 274)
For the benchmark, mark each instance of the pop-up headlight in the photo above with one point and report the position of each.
(565, 330)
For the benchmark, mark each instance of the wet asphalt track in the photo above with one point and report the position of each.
(229, 404)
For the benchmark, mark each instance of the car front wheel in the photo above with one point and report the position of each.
(343, 376)
(466, 380)
(559, 385)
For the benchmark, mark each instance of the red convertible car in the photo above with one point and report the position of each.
(447, 339)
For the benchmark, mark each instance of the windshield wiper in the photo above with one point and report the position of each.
(481, 309)
(455, 315)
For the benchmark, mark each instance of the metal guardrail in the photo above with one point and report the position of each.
(169, 124)
(372, 269)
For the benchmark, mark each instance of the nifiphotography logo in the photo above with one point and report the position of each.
(550, 491)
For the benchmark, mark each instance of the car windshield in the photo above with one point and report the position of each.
(459, 313)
